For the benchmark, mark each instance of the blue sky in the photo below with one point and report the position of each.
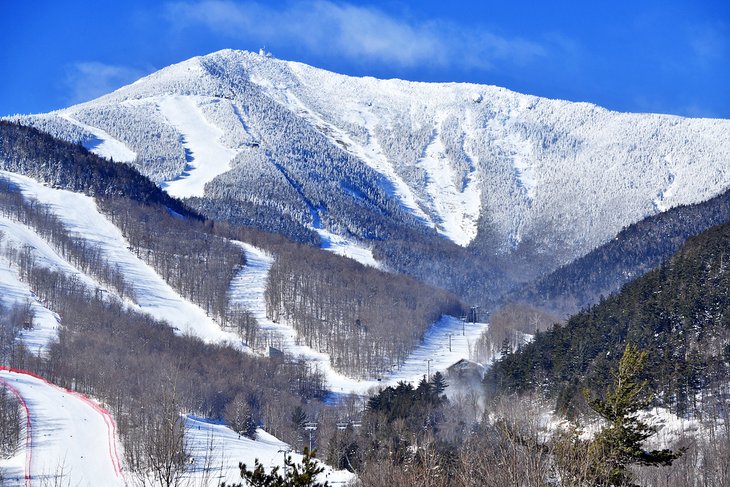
(666, 56)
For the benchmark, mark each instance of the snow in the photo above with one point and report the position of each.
(217, 450)
(449, 153)
(151, 293)
(371, 153)
(458, 209)
(523, 158)
(347, 248)
(435, 348)
(207, 156)
(248, 291)
(103, 145)
(72, 439)
(15, 292)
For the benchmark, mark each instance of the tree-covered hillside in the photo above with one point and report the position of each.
(678, 313)
(635, 251)
(33, 153)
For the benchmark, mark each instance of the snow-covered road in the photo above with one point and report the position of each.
(70, 439)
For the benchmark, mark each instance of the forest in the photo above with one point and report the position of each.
(678, 313)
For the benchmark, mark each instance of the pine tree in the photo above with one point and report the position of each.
(298, 417)
(619, 444)
(295, 475)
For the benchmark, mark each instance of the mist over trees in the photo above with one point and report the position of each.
(636, 250)
(678, 313)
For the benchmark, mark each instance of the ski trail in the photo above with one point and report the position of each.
(150, 292)
(70, 439)
(248, 290)
(208, 158)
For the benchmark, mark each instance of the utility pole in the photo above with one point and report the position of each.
(450, 335)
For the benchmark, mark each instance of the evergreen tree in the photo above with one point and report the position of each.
(619, 444)
(298, 417)
(295, 475)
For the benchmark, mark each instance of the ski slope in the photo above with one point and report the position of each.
(103, 144)
(216, 451)
(207, 156)
(70, 439)
(151, 294)
(15, 292)
(435, 353)
(345, 247)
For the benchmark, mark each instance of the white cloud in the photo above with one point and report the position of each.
(356, 33)
(88, 80)
(709, 43)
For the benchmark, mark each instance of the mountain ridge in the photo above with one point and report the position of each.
(518, 181)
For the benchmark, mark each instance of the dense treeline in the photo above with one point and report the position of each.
(636, 250)
(679, 313)
(510, 327)
(434, 436)
(365, 319)
(11, 424)
(243, 213)
(30, 152)
(12, 321)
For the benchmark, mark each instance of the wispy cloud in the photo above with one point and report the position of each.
(88, 80)
(710, 43)
(356, 33)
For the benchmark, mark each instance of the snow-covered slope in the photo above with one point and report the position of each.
(207, 156)
(217, 451)
(365, 158)
(70, 439)
(15, 292)
(150, 293)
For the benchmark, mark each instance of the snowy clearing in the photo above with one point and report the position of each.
(217, 450)
(248, 290)
(458, 209)
(150, 292)
(207, 157)
(347, 248)
(103, 145)
(72, 439)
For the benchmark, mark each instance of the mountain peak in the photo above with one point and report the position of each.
(293, 148)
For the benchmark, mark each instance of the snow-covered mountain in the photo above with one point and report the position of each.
(282, 145)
